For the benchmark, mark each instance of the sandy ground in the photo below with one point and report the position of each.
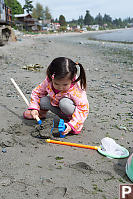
(31, 168)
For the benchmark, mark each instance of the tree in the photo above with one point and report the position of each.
(80, 20)
(62, 20)
(88, 20)
(118, 22)
(99, 19)
(28, 6)
(47, 13)
(56, 20)
(38, 11)
(107, 19)
(15, 6)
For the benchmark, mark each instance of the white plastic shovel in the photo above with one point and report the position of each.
(24, 98)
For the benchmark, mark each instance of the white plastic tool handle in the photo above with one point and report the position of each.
(22, 95)
(20, 92)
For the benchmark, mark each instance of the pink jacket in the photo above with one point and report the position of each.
(74, 93)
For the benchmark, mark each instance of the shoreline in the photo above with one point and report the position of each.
(32, 168)
(91, 35)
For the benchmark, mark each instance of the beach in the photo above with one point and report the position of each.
(32, 168)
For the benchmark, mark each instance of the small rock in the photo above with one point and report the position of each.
(6, 140)
(8, 95)
(5, 181)
(4, 150)
(123, 128)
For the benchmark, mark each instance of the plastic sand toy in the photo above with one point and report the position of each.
(58, 128)
(129, 167)
(108, 148)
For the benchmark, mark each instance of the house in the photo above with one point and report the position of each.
(51, 27)
(84, 28)
(56, 26)
(76, 28)
(130, 25)
(25, 21)
(94, 27)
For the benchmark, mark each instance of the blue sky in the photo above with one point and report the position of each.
(72, 9)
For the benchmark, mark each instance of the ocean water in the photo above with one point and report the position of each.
(124, 35)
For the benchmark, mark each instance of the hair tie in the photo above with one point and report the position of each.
(53, 76)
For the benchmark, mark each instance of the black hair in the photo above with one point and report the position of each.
(61, 66)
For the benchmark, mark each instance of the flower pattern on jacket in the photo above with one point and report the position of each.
(74, 93)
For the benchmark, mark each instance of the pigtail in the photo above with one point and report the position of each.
(82, 76)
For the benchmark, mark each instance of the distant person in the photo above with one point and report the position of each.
(63, 93)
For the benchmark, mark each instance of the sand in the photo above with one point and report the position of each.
(31, 168)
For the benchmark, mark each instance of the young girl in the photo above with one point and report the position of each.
(62, 94)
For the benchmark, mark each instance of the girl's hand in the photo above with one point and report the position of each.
(34, 113)
(67, 130)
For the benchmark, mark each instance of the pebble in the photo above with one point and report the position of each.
(6, 140)
(123, 128)
(5, 181)
(4, 150)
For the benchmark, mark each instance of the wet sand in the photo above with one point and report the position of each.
(31, 168)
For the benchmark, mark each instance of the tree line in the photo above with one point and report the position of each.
(103, 21)
(39, 12)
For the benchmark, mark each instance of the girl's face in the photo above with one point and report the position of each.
(62, 84)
